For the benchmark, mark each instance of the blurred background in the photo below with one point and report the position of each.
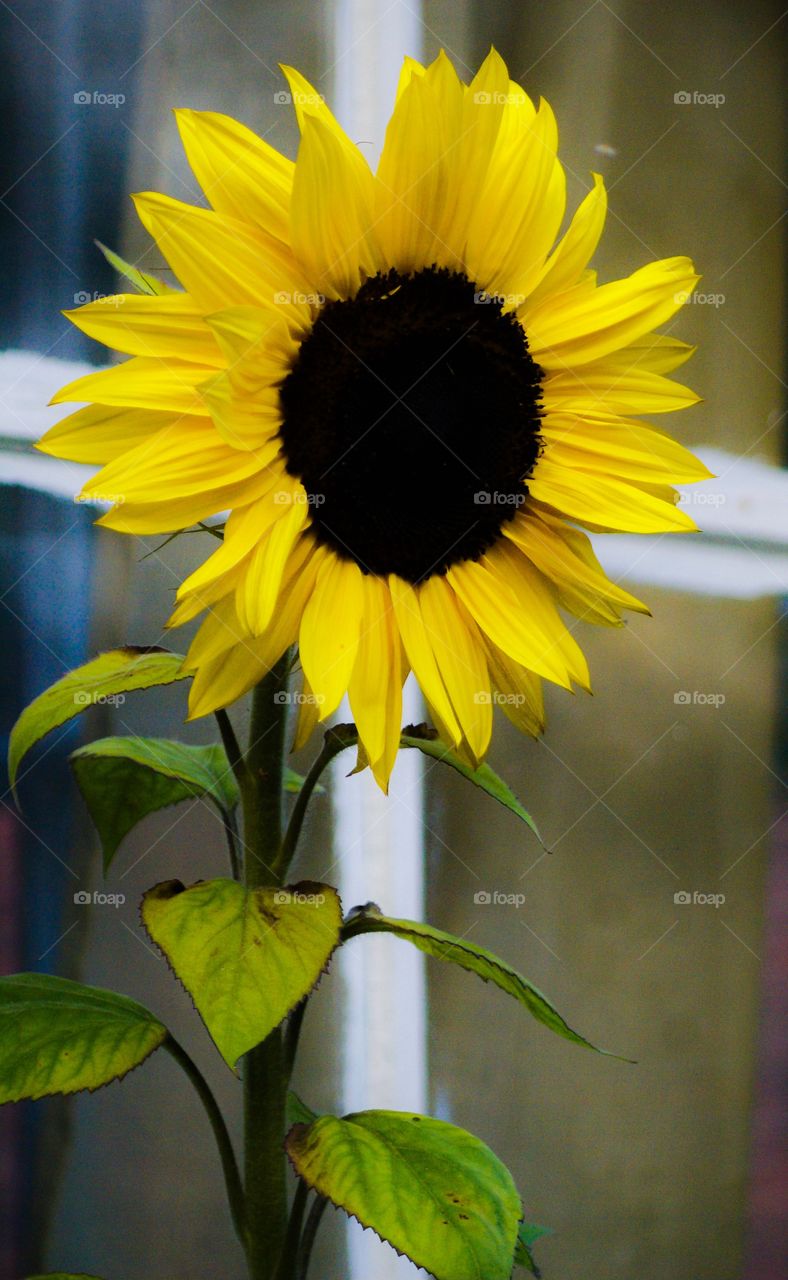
(667, 784)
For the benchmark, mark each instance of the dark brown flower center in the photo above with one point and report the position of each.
(411, 416)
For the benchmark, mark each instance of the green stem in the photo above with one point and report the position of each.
(332, 746)
(288, 1261)
(308, 1237)
(232, 1177)
(265, 1072)
(231, 831)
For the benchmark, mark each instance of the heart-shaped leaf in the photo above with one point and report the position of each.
(246, 957)
(433, 1191)
(58, 1036)
(124, 779)
(489, 967)
(103, 679)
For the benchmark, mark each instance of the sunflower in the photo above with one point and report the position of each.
(409, 395)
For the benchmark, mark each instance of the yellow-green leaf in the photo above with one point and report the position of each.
(58, 1036)
(105, 679)
(246, 957)
(433, 1191)
(140, 279)
(124, 779)
(459, 951)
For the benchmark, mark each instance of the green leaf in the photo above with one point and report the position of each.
(292, 783)
(423, 739)
(489, 967)
(124, 779)
(297, 1110)
(246, 957)
(58, 1036)
(527, 1234)
(433, 1191)
(103, 679)
(140, 279)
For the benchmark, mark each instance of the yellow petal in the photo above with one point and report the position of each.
(174, 463)
(179, 513)
(536, 599)
(142, 383)
(375, 688)
(526, 636)
(620, 447)
(222, 629)
(223, 262)
(574, 251)
(604, 389)
(413, 213)
(483, 106)
(518, 691)
(240, 173)
(518, 213)
(605, 501)
(140, 325)
(244, 529)
(574, 328)
(566, 557)
(100, 432)
(332, 212)
(459, 654)
(330, 630)
(258, 592)
(421, 657)
(309, 103)
(243, 422)
(308, 716)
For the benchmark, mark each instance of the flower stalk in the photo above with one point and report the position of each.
(265, 1073)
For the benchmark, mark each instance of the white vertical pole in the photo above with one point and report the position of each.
(379, 840)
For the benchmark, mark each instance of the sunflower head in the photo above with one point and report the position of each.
(410, 395)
